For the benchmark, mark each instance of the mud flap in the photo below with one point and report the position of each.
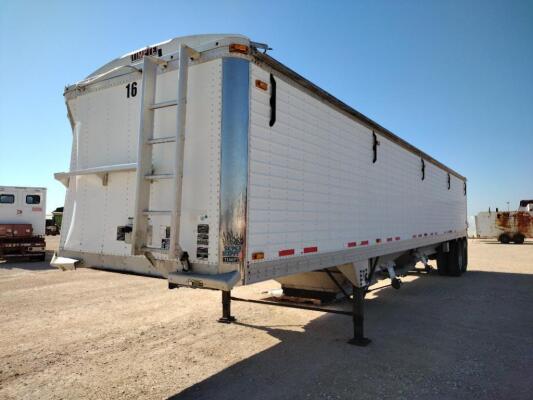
(64, 263)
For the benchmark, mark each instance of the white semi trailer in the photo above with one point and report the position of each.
(204, 161)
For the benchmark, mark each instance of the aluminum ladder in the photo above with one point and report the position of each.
(145, 172)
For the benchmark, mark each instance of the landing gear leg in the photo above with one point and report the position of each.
(358, 318)
(226, 318)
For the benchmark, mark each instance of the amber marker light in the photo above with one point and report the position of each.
(238, 48)
(261, 85)
(259, 255)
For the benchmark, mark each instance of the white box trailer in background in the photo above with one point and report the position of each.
(204, 161)
(22, 222)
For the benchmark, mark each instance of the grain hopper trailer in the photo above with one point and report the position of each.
(205, 161)
(507, 226)
(22, 222)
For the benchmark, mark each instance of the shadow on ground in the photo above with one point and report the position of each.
(27, 264)
(437, 337)
(494, 241)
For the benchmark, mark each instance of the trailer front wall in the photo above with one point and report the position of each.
(313, 186)
(105, 132)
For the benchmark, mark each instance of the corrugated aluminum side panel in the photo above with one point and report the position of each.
(313, 183)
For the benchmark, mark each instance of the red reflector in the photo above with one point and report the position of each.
(289, 252)
(310, 249)
(352, 244)
(397, 238)
(378, 240)
(364, 242)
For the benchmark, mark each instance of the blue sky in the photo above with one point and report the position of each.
(455, 78)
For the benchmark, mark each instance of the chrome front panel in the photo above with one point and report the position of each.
(234, 162)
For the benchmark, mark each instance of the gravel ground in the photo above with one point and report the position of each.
(100, 335)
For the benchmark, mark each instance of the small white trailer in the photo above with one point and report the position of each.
(507, 226)
(22, 222)
(204, 161)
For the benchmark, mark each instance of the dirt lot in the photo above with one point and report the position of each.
(101, 335)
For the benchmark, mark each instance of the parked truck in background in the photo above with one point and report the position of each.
(22, 222)
(204, 161)
(51, 227)
(507, 226)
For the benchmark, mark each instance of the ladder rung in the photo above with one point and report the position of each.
(159, 176)
(156, 212)
(154, 249)
(164, 104)
(161, 140)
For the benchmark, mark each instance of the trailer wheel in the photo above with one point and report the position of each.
(518, 238)
(504, 238)
(443, 260)
(456, 264)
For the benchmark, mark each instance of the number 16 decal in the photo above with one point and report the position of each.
(131, 89)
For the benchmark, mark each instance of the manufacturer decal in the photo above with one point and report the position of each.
(232, 247)
(149, 51)
(202, 253)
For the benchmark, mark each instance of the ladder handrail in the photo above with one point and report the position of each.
(146, 140)
(175, 217)
(144, 155)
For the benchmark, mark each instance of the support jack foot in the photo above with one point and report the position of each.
(226, 320)
(359, 338)
(361, 342)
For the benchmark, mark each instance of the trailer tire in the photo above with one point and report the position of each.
(443, 260)
(504, 238)
(456, 264)
(518, 238)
